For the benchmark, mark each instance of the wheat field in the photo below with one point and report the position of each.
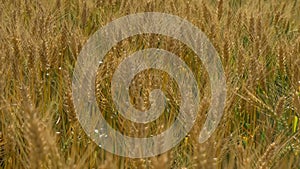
(259, 45)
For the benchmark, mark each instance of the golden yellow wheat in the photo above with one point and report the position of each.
(259, 45)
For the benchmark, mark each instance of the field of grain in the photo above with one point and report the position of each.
(259, 45)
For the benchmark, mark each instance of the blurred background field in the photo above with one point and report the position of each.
(259, 45)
